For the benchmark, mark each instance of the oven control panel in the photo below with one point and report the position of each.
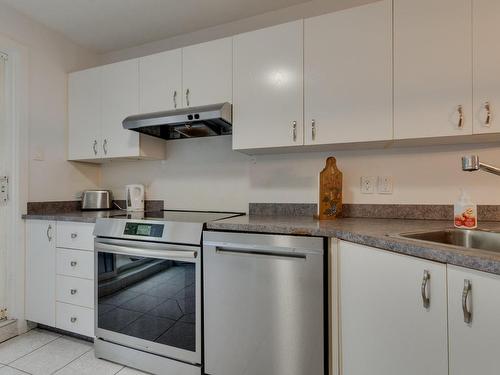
(143, 229)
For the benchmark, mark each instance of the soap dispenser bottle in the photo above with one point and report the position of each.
(465, 212)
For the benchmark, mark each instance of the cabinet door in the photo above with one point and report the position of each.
(160, 81)
(268, 87)
(207, 73)
(84, 114)
(385, 327)
(432, 68)
(41, 272)
(474, 346)
(486, 22)
(120, 98)
(348, 80)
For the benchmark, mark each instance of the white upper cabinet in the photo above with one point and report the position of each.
(348, 75)
(160, 82)
(486, 31)
(207, 73)
(84, 112)
(474, 344)
(120, 99)
(268, 87)
(432, 68)
(392, 313)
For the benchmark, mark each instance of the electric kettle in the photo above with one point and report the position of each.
(134, 197)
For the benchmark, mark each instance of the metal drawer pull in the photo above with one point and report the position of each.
(95, 146)
(487, 107)
(73, 291)
(187, 97)
(294, 130)
(73, 263)
(175, 99)
(460, 110)
(105, 146)
(49, 233)
(465, 301)
(73, 319)
(313, 130)
(426, 299)
(74, 235)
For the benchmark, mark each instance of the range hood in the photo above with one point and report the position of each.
(203, 121)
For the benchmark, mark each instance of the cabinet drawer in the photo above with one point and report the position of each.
(75, 263)
(75, 291)
(75, 235)
(75, 319)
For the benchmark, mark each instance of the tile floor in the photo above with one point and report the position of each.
(41, 352)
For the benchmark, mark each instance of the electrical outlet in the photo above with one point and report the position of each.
(368, 184)
(385, 185)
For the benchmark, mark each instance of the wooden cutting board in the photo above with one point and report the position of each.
(330, 191)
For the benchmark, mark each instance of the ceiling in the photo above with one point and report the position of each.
(107, 25)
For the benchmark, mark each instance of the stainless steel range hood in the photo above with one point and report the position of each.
(204, 121)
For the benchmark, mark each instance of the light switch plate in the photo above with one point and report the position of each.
(385, 185)
(368, 184)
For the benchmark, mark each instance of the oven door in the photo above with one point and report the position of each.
(148, 297)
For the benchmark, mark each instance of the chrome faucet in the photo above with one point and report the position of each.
(471, 163)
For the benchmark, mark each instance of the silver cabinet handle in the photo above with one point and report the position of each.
(294, 131)
(465, 301)
(73, 291)
(105, 146)
(487, 121)
(175, 99)
(460, 110)
(73, 263)
(426, 299)
(95, 147)
(49, 233)
(187, 97)
(313, 130)
(73, 319)
(74, 235)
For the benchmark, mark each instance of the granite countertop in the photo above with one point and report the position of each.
(75, 216)
(372, 232)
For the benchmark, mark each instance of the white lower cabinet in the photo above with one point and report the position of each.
(475, 338)
(60, 280)
(386, 328)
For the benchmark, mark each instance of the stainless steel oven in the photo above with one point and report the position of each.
(148, 292)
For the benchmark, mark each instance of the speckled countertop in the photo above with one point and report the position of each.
(75, 216)
(372, 232)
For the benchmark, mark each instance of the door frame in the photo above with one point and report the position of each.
(17, 79)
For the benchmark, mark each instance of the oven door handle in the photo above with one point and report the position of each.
(165, 253)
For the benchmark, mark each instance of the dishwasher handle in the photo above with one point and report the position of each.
(259, 252)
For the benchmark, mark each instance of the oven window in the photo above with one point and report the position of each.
(150, 299)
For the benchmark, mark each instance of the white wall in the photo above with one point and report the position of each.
(204, 173)
(51, 57)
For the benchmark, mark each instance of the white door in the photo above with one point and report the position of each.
(207, 73)
(160, 81)
(41, 272)
(268, 87)
(348, 75)
(486, 29)
(432, 68)
(84, 114)
(474, 343)
(120, 99)
(385, 328)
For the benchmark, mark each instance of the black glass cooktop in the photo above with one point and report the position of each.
(177, 216)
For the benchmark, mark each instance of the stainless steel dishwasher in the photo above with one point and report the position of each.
(264, 304)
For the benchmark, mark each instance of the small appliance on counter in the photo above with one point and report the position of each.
(134, 197)
(97, 200)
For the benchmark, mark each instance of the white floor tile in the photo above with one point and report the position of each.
(129, 371)
(52, 356)
(21, 345)
(6, 370)
(88, 364)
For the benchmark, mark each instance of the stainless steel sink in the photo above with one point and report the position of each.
(472, 239)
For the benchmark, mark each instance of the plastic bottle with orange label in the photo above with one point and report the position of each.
(465, 212)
